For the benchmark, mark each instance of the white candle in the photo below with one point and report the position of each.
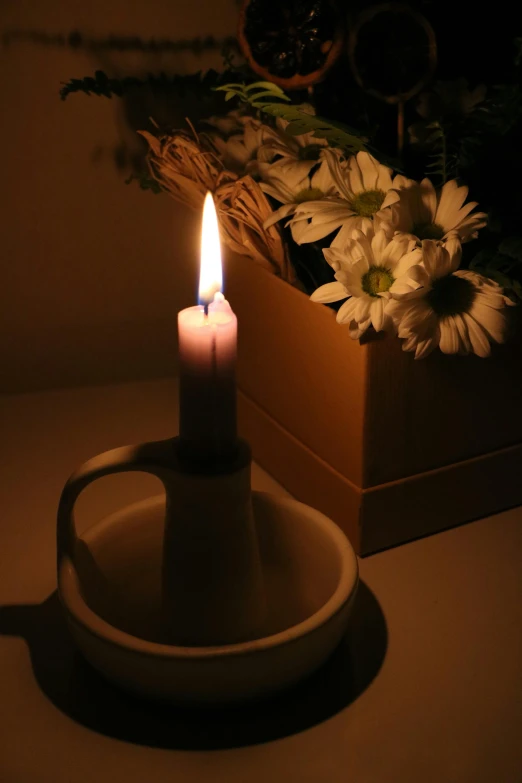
(207, 357)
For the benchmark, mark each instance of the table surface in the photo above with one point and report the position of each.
(427, 686)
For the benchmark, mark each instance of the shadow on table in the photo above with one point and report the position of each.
(82, 694)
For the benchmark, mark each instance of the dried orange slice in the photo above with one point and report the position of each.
(292, 43)
(393, 52)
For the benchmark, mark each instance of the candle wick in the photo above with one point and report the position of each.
(205, 309)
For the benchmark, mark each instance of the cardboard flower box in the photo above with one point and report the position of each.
(389, 447)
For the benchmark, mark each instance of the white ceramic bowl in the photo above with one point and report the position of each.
(112, 596)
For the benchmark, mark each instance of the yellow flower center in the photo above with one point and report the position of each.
(428, 231)
(377, 280)
(310, 152)
(451, 295)
(368, 202)
(308, 194)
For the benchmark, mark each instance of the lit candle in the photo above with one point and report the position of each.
(207, 357)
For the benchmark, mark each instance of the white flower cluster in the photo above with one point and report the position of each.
(396, 243)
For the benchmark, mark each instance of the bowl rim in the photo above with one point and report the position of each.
(80, 613)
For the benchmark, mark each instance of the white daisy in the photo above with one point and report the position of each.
(239, 151)
(288, 185)
(456, 309)
(430, 214)
(280, 148)
(365, 193)
(368, 269)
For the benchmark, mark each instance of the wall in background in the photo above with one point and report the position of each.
(93, 271)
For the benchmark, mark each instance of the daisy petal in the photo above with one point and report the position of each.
(408, 263)
(463, 334)
(369, 170)
(377, 314)
(322, 180)
(433, 259)
(338, 173)
(354, 174)
(465, 210)
(330, 292)
(392, 197)
(333, 256)
(468, 228)
(402, 288)
(429, 201)
(298, 228)
(357, 330)
(449, 336)
(425, 347)
(454, 247)
(362, 310)
(452, 198)
(479, 341)
(379, 244)
(490, 319)
(346, 311)
(279, 214)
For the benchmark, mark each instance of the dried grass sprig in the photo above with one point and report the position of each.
(186, 166)
(243, 208)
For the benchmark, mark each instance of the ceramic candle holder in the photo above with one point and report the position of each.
(215, 595)
(211, 574)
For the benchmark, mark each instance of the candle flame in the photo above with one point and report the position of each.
(210, 272)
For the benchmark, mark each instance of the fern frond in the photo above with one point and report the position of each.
(299, 121)
(442, 164)
(102, 85)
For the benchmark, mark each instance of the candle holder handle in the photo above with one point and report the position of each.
(212, 585)
(150, 457)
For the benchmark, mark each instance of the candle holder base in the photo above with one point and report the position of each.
(112, 596)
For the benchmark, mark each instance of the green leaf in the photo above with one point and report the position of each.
(299, 121)
(482, 259)
(229, 87)
(272, 88)
(266, 93)
(512, 247)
